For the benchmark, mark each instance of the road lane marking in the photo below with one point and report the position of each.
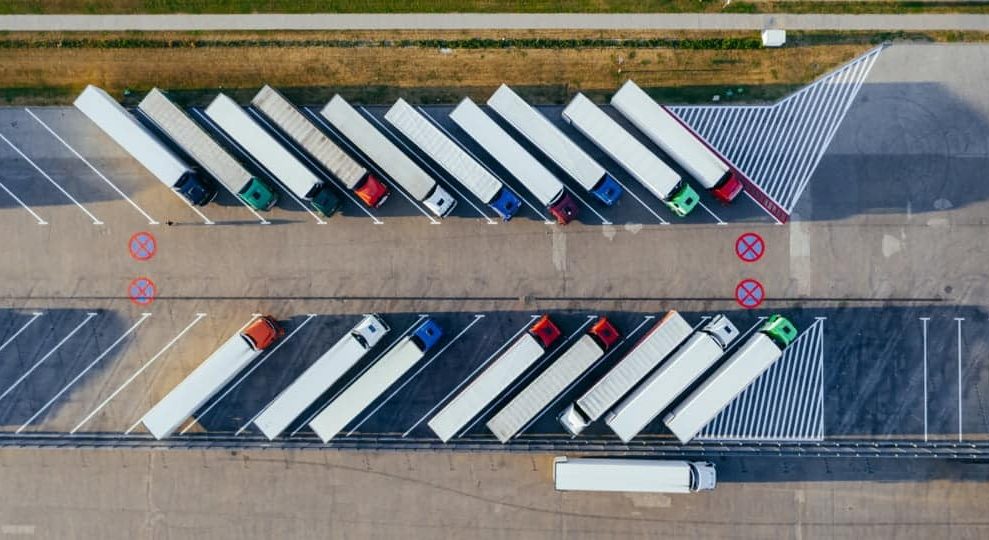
(24, 206)
(923, 322)
(959, 320)
(89, 316)
(34, 317)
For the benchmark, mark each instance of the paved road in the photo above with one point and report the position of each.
(496, 21)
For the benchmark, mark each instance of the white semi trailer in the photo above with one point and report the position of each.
(674, 376)
(137, 140)
(633, 475)
(516, 160)
(398, 166)
(632, 155)
(286, 168)
(558, 147)
(678, 141)
(317, 378)
(535, 397)
(656, 345)
(451, 157)
(197, 144)
(212, 375)
(372, 383)
(495, 378)
(740, 370)
(331, 157)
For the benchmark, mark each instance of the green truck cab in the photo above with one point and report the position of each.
(683, 199)
(780, 330)
(258, 194)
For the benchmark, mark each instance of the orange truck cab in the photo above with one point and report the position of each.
(263, 332)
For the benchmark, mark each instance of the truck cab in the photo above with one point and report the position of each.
(728, 187)
(440, 202)
(722, 330)
(565, 209)
(372, 191)
(369, 331)
(262, 332)
(683, 199)
(195, 189)
(427, 335)
(780, 330)
(572, 420)
(505, 203)
(703, 476)
(545, 331)
(607, 190)
(259, 194)
(604, 333)
(325, 201)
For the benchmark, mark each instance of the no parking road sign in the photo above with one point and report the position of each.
(749, 293)
(749, 247)
(142, 291)
(142, 246)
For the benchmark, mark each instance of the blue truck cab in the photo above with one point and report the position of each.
(607, 190)
(505, 203)
(427, 335)
(195, 189)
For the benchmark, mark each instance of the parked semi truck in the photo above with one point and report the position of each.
(674, 376)
(740, 370)
(451, 157)
(137, 140)
(260, 144)
(484, 389)
(558, 147)
(516, 160)
(535, 397)
(632, 155)
(399, 167)
(376, 380)
(280, 111)
(656, 345)
(212, 375)
(637, 475)
(171, 120)
(317, 378)
(678, 141)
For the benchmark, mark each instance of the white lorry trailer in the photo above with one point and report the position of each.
(678, 141)
(212, 375)
(558, 147)
(633, 475)
(171, 120)
(372, 383)
(742, 368)
(535, 397)
(331, 157)
(381, 151)
(516, 160)
(632, 155)
(137, 140)
(317, 378)
(656, 345)
(484, 389)
(286, 168)
(451, 157)
(659, 390)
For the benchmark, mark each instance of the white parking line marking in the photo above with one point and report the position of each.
(366, 367)
(47, 355)
(471, 376)
(456, 141)
(95, 219)
(436, 175)
(409, 379)
(151, 220)
(199, 317)
(75, 379)
(223, 134)
(923, 322)
(354, 152)
(708, 210)
(511, 389)
(24, 206)
(236, 383)
(312, 165)
(959, 320)
(34, 317)
(636, 197)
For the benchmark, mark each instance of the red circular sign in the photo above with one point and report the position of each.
(142, 291)
(750, 247)
(749, 293)
(142, 246)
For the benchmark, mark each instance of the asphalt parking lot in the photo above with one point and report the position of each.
(894, 274)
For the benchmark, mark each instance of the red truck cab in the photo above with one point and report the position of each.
(545, 331)
(372, 191)
(565, 209)
(729, 187)
(262, 332)
(604, 333)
